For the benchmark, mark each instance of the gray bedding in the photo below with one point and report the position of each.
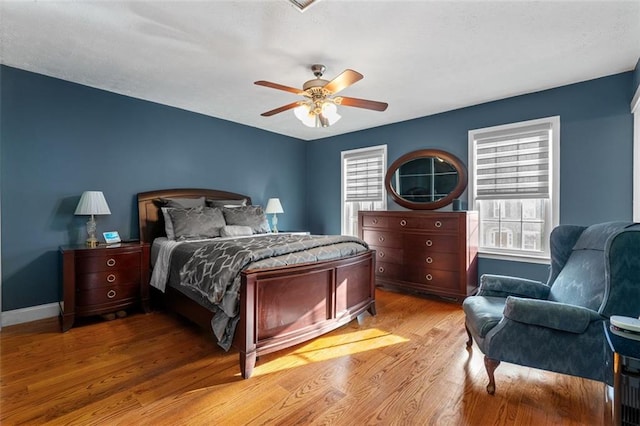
(210, 271)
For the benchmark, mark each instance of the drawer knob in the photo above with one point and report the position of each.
(381, 238)
(429, 243)
(438, 224)
(381, 253)
(111, 262)
(374, 221)
(111, 294)
(381, 269)
(111, 278)
(429, 277)
(403, 222)
(429, 259)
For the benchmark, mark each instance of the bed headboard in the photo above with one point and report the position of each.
(151, 221)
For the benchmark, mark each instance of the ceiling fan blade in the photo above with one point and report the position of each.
(280, 87)
(281, 109)
(346, 79)
(362, 103)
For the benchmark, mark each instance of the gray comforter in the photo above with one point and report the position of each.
(211, 271)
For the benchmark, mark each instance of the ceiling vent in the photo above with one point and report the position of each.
(303, 5)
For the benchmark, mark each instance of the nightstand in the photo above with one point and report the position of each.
(103, 279)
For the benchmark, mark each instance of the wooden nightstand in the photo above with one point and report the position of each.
(103, 279)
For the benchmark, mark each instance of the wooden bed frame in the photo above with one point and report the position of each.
(279, 307)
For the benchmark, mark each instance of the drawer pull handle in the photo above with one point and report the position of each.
(374, 221)
(381, 253)
(111, 294)
(381, 269)
(429, 259)
(429, 243)
(403, 222)
(429, 277)
(111, 262)
(438, 224)
(381, 238)
(111, 278)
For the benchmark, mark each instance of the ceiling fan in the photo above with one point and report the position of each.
(319, 107)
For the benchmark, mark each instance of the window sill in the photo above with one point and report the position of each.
(512, 257)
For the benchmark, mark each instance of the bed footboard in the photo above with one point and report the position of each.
(285, 306)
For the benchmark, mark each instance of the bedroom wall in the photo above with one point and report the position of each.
(596, 153)
(59, 139)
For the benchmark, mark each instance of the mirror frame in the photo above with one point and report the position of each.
(422, 153)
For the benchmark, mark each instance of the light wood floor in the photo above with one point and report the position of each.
(408, 365)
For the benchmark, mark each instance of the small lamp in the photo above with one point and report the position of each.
(274, 207)
(92, 203)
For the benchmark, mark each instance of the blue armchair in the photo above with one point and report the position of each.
(557, 326)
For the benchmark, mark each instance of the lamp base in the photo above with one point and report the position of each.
(92, 242)
(274, 228)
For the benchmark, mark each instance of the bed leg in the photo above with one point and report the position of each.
(372, 309)
(247, 362)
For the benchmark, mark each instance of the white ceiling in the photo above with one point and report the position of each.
(421, 57)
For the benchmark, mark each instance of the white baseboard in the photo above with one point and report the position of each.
(32, 313)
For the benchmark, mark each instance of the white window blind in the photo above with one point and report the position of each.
(513, 163)
(364, 176)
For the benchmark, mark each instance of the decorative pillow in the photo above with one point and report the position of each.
(226, 203)
(252, 216)
(235, 231)
(168, 224)
(182, 203)
(199, 222)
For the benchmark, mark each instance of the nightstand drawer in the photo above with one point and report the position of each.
(110, 294)
(108, 262)
(107, 278)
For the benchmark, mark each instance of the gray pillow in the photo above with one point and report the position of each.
(182, 203)
(199, 222)
(168, 225)
(252, 216)
(236, 231)
(226, 203)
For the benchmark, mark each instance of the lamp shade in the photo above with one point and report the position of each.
(273, 206)
(92, 202)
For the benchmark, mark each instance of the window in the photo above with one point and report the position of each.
(362, 184)
(514, 185)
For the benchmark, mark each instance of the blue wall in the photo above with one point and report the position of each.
(59, 139)
(596, 149)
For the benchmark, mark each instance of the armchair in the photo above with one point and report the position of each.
(557, 326)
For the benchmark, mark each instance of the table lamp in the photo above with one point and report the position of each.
(92, 203)
(274, 207)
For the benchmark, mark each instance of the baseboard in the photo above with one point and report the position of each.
(32, 313)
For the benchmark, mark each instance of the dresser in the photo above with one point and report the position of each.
(424, 251)
(104, 279)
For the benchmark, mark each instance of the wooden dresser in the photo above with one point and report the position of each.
(425, 251)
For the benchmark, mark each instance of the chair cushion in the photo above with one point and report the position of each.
(483, 313)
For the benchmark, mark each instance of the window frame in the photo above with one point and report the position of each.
(635, 110)
(552, 210)
(343, 202)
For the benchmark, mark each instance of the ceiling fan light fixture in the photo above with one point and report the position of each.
(325, 116)
(303, 5)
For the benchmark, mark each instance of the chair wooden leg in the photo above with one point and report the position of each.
(491, 365)
(470, 341)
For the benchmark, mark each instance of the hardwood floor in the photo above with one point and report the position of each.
(408, 365)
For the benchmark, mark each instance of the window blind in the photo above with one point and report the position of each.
(364, 176)
(514, 163)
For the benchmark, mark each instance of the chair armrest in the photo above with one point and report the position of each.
(544, 313)
(503, 286)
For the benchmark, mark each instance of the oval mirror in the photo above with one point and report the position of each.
(426, 179)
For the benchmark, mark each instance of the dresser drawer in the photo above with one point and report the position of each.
(107, 262)
(436, 260)
(424, 222)
(373, 221)
(389, 270)
(388, 255)
(382, 238)
(433, 277)
(112, 294)
(430, 243)
(107, 278)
